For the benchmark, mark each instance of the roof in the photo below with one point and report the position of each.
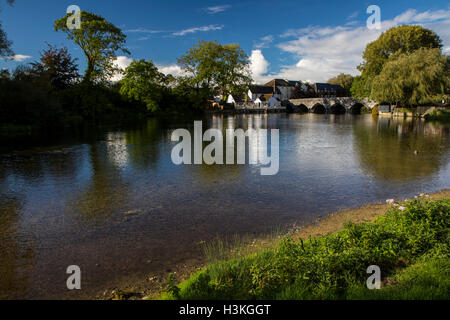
(261, 89)
(282, 83)
(327, 87)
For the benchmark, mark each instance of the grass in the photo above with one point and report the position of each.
(410, 245)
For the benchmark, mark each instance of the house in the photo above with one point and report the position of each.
(325, 89)
(231, 100)
(283, 89)
(256, 92)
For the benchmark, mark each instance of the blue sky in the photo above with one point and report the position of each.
(299, 40)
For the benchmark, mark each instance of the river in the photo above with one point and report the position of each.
(111, 201)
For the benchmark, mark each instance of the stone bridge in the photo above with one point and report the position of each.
(331, 105)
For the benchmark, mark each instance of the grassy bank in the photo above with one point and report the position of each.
(410, 243)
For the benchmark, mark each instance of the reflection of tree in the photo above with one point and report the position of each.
(144, 144)
(107, 191)
(386, 147)
(17, 251)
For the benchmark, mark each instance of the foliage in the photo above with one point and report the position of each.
(439, 115)
(99, 40)
(331, 267)
(26, 100)
(58, 66)
(5, 44)
(210, 64)
(413, 79)
(343, 80)
(143, 82)
(393, 43)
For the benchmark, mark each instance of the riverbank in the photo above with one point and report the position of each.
(409, 243)
(242, 249)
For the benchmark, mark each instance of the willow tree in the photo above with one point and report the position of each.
(413, 79)
(100, 41)
(395, 41)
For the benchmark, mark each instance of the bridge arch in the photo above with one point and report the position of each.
(301, 108)
(319, 108)
(356, 108)
(337, 108)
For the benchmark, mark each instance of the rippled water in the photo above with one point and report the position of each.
(112, 202)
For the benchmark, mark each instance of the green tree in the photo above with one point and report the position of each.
(394, 42)
(210, 64)
(5, 44)
(99, 39)
(57, 66)
(143, 82)
(343, 80)
(412, 79)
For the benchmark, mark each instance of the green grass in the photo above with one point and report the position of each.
(411, 247)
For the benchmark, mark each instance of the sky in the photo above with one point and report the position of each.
(291, 39)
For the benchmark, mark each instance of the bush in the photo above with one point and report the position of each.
(375, 110)
(330, 267)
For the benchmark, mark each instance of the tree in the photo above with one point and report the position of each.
(99, 39)
(412, 79)
(343, 80)
(58, 66)
(396, 41)
(210, 64)
(143, 82)
(5, 44)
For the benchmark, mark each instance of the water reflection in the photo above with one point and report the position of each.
(401, 149)
(17, 251)
(113, 198)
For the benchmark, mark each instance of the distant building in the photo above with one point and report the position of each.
(283, 89)
(325, 89)
(256, 92)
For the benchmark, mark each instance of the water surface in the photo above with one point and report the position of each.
(112, 202)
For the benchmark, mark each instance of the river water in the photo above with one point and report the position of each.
(112, 202)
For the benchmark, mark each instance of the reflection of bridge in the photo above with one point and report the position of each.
(331, 105)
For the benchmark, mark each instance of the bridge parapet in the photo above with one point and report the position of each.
(346, 102)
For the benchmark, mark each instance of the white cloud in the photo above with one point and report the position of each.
(198, 29)
(172, 69)
(323, 52)
(217, 9)
(18, 57)
(264, 42)
(143, 30)
(122, 63)
(353, 15)
(258, 66)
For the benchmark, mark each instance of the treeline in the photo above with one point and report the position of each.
(51, 91)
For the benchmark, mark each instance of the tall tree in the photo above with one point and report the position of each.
(210, 64)
(413, 79)
(396, 41)
(58, 66)
(100, 40)
(143, 82)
